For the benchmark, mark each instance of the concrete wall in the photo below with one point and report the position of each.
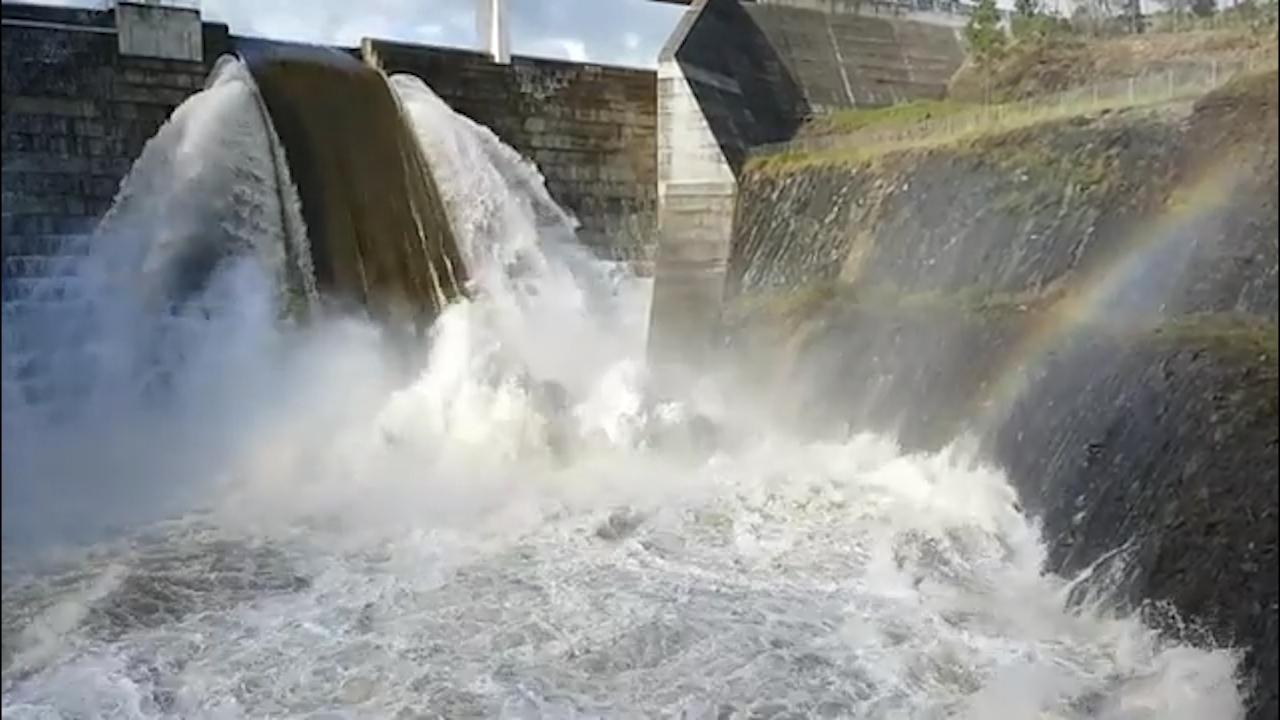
(1095, 300)
(167, 32)
(1023, 214)
(950, 13)
(845, 60)
(77, 112)
(721, 91)
(734, 76)
(592, 130)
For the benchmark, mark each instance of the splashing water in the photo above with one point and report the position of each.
(175, 297)
(518, 531)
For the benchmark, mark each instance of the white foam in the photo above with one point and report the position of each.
(472, 546)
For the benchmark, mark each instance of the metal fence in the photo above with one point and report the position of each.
(1173, 82)
(179, 4)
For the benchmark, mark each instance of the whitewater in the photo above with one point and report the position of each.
(505, 521)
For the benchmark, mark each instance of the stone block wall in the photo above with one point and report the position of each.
(77, 112)
(592, 130)
(75, 115)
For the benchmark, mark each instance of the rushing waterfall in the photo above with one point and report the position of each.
(378, 231)
(294, 527)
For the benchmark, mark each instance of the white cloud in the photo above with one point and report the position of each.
(565, 48)
(564, 29)
(428, 31)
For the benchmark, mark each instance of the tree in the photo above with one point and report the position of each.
(1133, 13)
(986, 39)
(1176, 9)
(1204, 8)
(1025, 20)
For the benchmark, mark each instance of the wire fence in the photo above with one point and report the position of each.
(179, 4)
(1170, 83)
(1255, 17)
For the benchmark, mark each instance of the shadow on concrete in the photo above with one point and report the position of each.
(743, 86)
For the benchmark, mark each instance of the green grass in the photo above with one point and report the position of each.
(856, 137)
(960, 128)
(783, 305)
(794, 306)
(1249, 343)
(847, 121)
(1243, 336)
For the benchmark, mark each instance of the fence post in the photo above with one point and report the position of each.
(1213, 73)
(1131, 79)
(1170, 83)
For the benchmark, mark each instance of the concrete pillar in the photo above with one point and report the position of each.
(697, 188)
(491, 28)
(166, 29)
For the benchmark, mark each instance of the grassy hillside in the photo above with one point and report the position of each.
(1062, 62)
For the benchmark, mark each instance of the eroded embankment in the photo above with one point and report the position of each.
(1094, 299)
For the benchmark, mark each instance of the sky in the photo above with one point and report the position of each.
(614, 32)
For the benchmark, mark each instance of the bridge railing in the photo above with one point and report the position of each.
(1183, 81)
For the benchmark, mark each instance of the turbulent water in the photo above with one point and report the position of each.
(515, 528)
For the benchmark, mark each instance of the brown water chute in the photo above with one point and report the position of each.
(378, 229)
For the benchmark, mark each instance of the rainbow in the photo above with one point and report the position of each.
(1092, 301)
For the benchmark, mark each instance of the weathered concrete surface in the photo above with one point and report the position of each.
(939, 12)
(706, 121)
(845, 60)
(159, 31)
(734, 76)
(77, 113)
(1103, 322)
(591, 130)
(1168, 207)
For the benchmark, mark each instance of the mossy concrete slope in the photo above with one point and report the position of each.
(1094, 302)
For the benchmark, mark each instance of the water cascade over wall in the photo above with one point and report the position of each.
(515, 528)
(263, 203)
(299, 158)
(379, 234)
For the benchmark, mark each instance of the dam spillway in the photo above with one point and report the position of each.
(379, 234)
(215, 191)
(293, 520)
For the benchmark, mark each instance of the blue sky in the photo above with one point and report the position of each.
(620, 32)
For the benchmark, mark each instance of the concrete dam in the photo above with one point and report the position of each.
(402, 381)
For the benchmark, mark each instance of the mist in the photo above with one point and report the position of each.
(278, 517)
